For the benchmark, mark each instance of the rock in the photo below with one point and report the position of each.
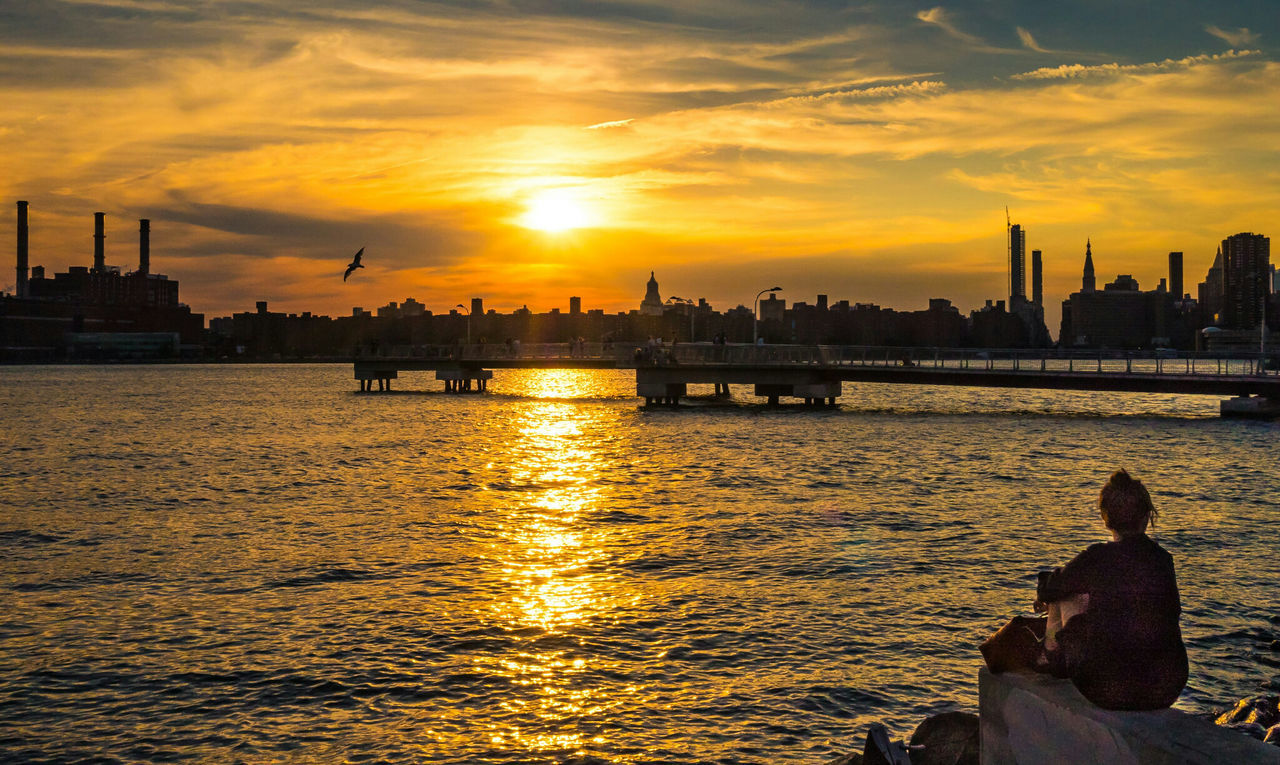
(1273, 735)
(950, 738)
(1249, 729)
(1261, 710)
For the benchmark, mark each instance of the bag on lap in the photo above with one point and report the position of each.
(1015, 646)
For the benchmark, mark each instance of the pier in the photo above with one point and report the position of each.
(815, 374)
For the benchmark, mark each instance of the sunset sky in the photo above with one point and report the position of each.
(525, 152)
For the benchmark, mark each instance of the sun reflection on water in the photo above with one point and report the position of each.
(553, 562)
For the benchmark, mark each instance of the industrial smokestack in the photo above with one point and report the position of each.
(99, 240)
(22, 250)
(144, 246)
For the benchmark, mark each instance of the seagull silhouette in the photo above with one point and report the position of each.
(355, 263)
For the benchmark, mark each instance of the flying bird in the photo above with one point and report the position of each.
(355, 263)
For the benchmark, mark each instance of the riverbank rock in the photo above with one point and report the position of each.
(1263, 711)
(950, 738)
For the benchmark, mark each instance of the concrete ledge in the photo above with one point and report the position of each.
(1028, 719)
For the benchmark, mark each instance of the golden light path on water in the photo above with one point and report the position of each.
(553, 565)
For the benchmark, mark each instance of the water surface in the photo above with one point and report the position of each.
(219, 563)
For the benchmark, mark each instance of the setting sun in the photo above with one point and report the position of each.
(554, 211)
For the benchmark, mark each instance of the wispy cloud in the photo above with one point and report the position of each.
(1029, 42)
(915, 88)
(610, 124)
(1076, 71)
(1237, 38)
(943, 19)
(940, 18)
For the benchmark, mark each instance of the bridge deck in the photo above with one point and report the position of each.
(1184, 373)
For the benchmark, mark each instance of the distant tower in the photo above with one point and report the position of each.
(1089, 283)
(575, 305)
(99, 242)
(144, 246)
(1175, 275)
(477, 306)
(22, 250)
(1017, 264)
(652, 303)
(1037, 279)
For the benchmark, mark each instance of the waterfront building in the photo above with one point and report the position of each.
(410, 308)
(44, 316)
(1122, 315)
(1246, 271)
(1238, 283)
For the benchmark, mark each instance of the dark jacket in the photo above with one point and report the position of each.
(1125, 651)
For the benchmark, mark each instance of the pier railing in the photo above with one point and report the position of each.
(632, 355)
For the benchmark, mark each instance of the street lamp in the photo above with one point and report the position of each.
(755, 315)
(468, 310)
(685, 302)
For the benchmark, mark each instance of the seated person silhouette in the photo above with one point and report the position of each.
(1113, 610)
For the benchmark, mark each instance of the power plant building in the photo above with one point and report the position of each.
(89, 310)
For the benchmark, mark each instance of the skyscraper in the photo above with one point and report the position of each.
(23, 269)
(1175, 275)
(1246, 272)
(1017, 264)
(1210, 291)
(1037, 279)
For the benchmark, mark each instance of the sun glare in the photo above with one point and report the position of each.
(554, 210)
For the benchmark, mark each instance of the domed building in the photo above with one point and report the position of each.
(652, 303)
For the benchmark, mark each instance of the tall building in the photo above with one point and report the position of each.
(1088, 283)
(21, 288)
(477, 307)
(1017, 264)
(1037, 279)
(1121, 315)
(1246, 271)
(575, 306)
(1175, 275)
(652, 303)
